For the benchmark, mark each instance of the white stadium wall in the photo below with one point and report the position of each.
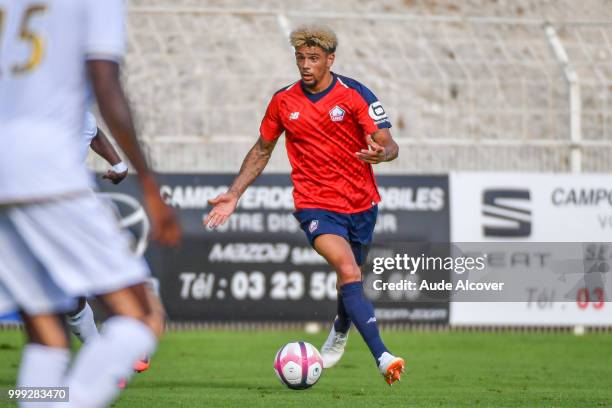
(465, 88)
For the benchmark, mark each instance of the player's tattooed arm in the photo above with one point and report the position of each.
(224, 204)
(382, 148)
(255, 161)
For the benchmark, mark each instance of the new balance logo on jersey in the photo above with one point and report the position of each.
(506, 212)
(336, 114)
(294, 115)
(371, 320)
(314, 224)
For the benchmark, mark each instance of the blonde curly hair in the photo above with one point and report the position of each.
(314, 36)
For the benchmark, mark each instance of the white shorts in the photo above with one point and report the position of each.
(53, 252)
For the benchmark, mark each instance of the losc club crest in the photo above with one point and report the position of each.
(314, 224)
(336, 114)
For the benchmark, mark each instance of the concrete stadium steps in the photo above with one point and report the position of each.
(462, 92)
(552, 10)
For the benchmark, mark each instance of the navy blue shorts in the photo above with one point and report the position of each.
(356, 228)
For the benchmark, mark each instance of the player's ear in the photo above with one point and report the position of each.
(330, 59)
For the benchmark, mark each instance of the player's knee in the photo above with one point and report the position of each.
(156, 320)
(153, 319)
(156, 315)
(348, 272)
(46, 330)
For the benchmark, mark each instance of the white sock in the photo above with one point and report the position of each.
(83, 324)
(42, 366)
(102, 363)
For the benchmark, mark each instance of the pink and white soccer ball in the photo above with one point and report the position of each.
(298, 365)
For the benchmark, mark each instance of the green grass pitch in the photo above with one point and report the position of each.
(444, 369)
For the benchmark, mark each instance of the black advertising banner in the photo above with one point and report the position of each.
(259, 266)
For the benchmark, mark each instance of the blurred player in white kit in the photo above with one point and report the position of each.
(81, 320)
(57, 241)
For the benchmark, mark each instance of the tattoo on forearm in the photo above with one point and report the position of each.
(252, 166)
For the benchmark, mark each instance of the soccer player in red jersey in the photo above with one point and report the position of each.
(335, 129)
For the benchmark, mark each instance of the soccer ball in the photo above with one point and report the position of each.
(298, 365)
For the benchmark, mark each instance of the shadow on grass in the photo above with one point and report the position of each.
(207, 384)
(248, 388)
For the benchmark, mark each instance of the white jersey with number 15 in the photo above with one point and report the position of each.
(44, 46)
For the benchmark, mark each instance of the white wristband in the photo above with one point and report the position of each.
(120, 167)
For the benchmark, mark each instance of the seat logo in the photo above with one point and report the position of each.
(506, 212)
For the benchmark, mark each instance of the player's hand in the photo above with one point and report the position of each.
(165, 227)
(374, 155)
(224, 205)
(115, 177)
